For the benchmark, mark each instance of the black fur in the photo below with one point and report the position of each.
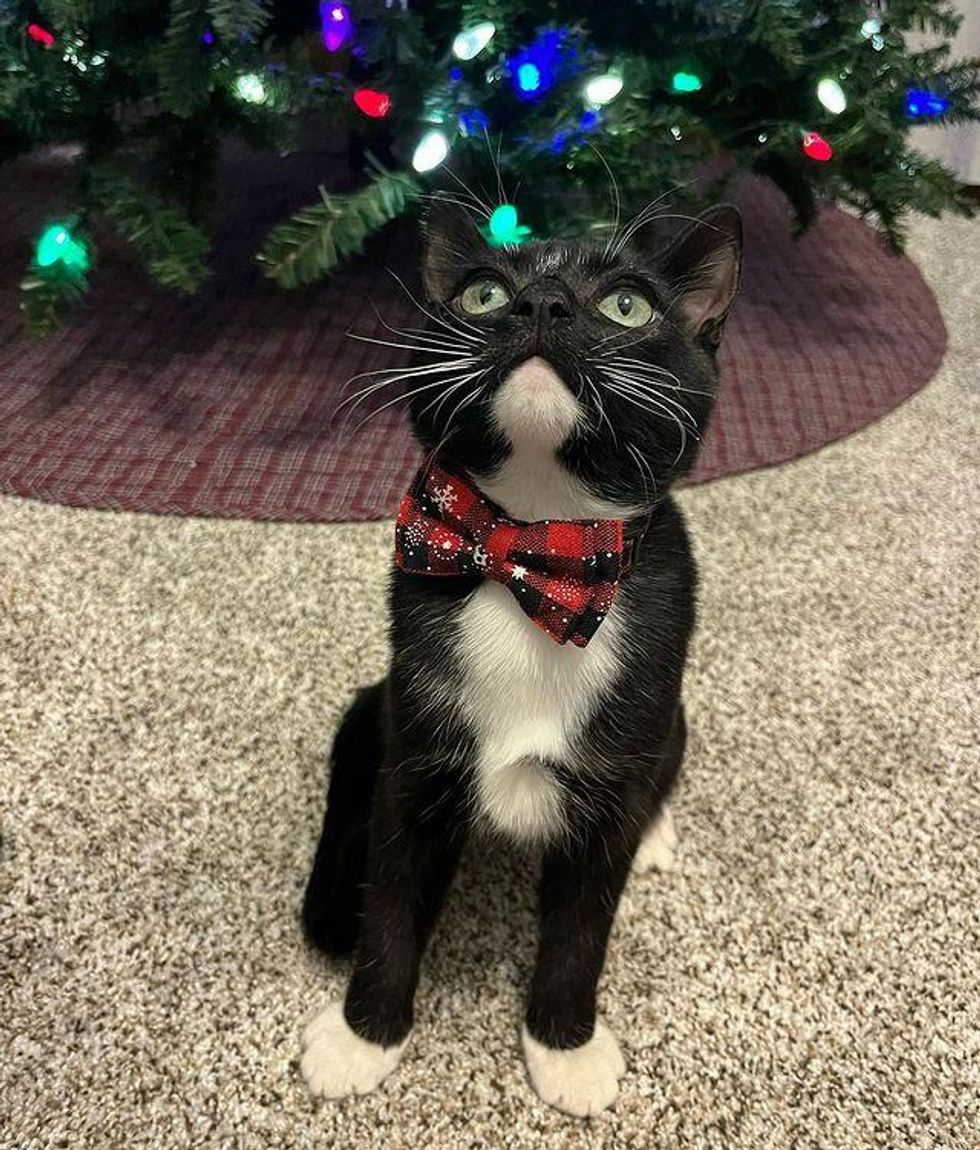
(401, 792)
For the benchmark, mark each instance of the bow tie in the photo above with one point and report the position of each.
(564, 573)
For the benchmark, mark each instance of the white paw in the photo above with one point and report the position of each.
(658, 848)
(337, 1062)
(581, 1081)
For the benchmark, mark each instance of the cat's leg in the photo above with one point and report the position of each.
(332, 902)
(415, 844)
(573, 1058)
(658, 847)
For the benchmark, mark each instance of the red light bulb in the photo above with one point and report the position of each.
(372, 103)
(816, 147)
(40, 35)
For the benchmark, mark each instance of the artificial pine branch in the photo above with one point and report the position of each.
(774, 25)
(47, 295)
(309, 245)
(232, 19)
(168, 245)
(183, 60)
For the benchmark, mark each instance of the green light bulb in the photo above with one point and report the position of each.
(58, 246)
(686, 82)
(76, 258)
(504, 228)
(52, 245)
(503, 221)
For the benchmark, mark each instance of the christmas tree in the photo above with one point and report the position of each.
(564, 99)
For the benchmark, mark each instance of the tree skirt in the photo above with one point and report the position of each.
(222, 404)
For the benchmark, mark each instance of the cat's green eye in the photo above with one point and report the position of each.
(484, 295)
(626, 306)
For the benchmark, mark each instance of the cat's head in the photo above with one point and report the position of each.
(600, 352)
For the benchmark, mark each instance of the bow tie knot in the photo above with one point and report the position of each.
(564, 573)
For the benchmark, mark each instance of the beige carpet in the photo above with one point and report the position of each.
(810, 977)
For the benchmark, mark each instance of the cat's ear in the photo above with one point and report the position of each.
(703, 266)
(452, 245)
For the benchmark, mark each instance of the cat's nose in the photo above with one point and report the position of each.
(543, 304)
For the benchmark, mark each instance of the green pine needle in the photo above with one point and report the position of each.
(183, 61)
(308, 246)
(169, 246)
(46, 297)
(231, 19)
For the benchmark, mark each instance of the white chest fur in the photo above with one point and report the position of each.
(526, 699)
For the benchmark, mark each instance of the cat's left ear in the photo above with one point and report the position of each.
(704, 266)
(452, 246)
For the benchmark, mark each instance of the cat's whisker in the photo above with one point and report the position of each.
(408, 371)
(645, 470)
(359, 396)
(628, 340)
(653, 377)
(642, 222)
(654, 373)
(400, 346)
(435, 339)
(601, 407)
(429, 315)
(450, 390)
(405, 398)
(658, 396)
(666, 378)
(615, 199)
(472, 204)
(615, 247)
(474, 375)
(480, 204)
(440, 400)
(465, 402)
(652, 404)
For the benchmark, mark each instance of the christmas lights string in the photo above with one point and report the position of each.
(554, 57)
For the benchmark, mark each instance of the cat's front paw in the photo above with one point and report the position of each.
(581, 1081)
(337, 1062)
(658, 847)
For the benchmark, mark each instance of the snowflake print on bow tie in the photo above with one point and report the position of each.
(564, 573)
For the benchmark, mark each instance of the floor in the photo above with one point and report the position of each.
(808, 977)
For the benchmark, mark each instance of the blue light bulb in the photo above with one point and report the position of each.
(529, 77)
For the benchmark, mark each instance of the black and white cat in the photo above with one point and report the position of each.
(563, 381)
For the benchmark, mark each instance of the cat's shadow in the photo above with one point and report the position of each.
(489, 920)
(487, 925)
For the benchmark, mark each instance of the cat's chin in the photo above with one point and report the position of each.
(535, 405)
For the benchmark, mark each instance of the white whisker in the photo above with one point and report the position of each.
(359, 396)
(435, 319)
(409, 395)
(400, 346)
(655, 394)
(407, 372)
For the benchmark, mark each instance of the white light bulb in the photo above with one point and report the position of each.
(871, 27)
(831, 95)
(250, 88)
(601, 89)
(471, 41)
(432, 149)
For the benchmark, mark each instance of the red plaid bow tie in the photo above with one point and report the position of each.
(563, 572)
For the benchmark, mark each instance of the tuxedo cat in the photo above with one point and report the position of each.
(542, 601)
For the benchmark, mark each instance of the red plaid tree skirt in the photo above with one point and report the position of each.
(221, 405)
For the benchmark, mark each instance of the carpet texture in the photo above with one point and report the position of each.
(808, 978)
(223, 404)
